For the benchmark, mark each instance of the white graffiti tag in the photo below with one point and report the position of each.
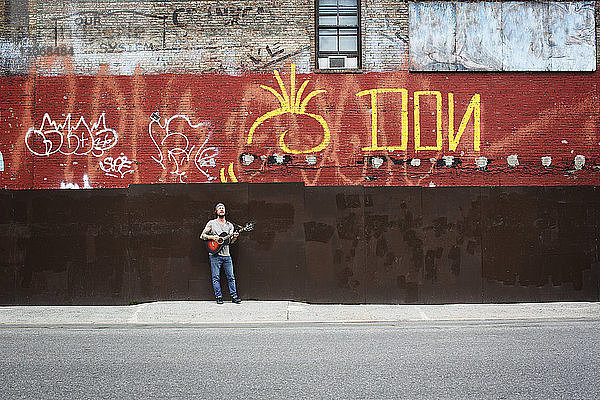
(81, 139)
(86, 184)
(175, 148)
(117, 167)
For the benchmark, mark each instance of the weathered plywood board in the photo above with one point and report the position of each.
(572, 34)
(479, 36)
(524, 36)
(432, 36)
(502, 36)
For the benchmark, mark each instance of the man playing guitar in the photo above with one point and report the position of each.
(215, 230)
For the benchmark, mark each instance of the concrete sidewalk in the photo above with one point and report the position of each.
(205, 312)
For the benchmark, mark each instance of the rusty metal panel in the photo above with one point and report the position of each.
(394, 244)
(451, 245)
(270, 260)
(166, 257)
(524, 36)
(8, 250)
(346, 244)
(432, 32)
(60, 257)
(572, 36)
(540, 244)
(14, 234)
(479, 36)
(335, 246)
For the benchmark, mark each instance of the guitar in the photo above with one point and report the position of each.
(214, 246)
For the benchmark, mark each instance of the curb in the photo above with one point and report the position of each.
(189, 313)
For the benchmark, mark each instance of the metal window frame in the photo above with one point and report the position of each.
(357, 53)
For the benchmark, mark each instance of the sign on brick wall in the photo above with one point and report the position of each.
(320, 129)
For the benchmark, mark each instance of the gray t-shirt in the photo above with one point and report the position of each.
(214, 227)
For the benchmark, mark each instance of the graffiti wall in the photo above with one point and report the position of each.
(377, 129)
(110, 93)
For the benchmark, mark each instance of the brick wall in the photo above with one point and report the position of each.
(203, 65)
(155, 37)
(385, 35)
(111, 131)
(597, 35)
(199, 36)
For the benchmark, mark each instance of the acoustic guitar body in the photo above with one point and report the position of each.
(214, 246)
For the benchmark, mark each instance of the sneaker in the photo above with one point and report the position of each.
(219, 300)
(236, 300)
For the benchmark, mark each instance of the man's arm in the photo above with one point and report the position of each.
(205, 235)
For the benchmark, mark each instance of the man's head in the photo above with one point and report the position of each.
(220, 209)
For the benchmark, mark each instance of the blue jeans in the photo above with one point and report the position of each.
(225, 262)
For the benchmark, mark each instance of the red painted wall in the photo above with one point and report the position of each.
(195, 128)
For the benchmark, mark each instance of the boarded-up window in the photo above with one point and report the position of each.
(502, 36)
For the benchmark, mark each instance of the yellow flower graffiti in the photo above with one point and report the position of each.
(292, 104)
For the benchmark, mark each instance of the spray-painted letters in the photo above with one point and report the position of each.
(80, 139)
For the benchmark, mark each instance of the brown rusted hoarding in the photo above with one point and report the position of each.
(540, 244)
(341, 244)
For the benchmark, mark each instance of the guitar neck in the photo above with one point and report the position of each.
(230, 235)
(234, 232)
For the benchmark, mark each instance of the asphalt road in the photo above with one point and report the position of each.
(453, 360)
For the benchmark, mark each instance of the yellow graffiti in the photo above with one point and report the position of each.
(473, 108)
(417, 113)
(230, 172)
(292, 104)
(403, 116)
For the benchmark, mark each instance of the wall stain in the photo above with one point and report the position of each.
(317, 232)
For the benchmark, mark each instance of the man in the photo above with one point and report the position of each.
(222, 259)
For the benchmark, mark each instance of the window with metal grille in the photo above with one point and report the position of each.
(338, 34)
